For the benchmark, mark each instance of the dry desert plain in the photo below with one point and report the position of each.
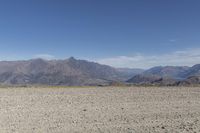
(100, 110)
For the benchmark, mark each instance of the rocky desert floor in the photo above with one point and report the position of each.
(100, 110)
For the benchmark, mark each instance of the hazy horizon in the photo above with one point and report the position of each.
(62, 59)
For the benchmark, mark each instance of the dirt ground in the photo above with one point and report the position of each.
(100, 110)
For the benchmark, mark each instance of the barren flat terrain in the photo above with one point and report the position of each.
(100, 109)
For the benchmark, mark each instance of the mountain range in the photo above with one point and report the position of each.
(74, 72)
(71, 72)
(168, 75)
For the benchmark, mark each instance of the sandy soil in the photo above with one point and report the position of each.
(101, 110)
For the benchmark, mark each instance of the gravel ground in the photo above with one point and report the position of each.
(100, 110)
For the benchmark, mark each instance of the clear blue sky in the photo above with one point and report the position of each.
(98, 29)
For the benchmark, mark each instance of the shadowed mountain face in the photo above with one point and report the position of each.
(152, 80)
(169, 75)
(144, 79)
(59, 72)
(167, 71)
(192, 71)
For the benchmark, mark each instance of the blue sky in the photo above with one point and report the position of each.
(121, 33)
